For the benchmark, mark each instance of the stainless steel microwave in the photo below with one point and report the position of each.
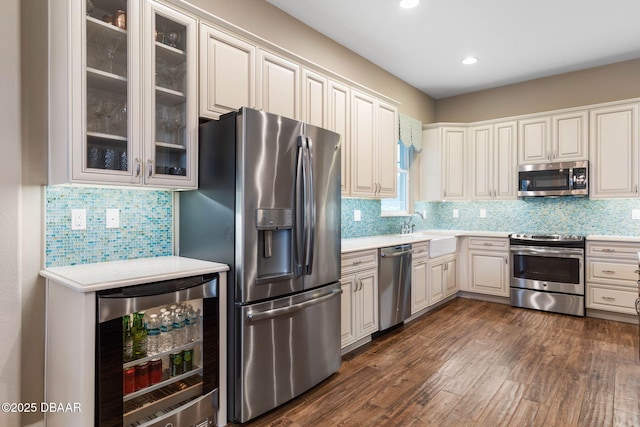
(554, 179)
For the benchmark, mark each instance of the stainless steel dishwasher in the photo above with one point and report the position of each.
(394, 285)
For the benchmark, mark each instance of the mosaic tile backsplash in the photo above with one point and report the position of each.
(146, 225)
(580, 216)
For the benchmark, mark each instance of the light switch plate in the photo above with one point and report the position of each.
(483, 213)
(113, 218)
(78, 219)
(635, 213)
(357, 215)
(456, 213)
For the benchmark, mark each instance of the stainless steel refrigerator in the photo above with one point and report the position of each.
(268, 204)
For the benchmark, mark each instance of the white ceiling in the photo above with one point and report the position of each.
(515, 40)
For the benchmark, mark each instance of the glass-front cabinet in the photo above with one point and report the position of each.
(123, 105)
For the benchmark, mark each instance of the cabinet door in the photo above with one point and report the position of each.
(481, 159)
(367, 295)
(278, 85)
(436, 281)
(613, 150)
(387, 151)
(454, 166)
(489, 273)
(339, 113)
(227, 72)
(419, 283)
(170, 77)
(362, 143)
(106, 141)
(570, 136)
(347, 310)
(535, 140)
(451, 279)
(505, 161)
(314, 98)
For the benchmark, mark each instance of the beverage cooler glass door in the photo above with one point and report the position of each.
(157, 353)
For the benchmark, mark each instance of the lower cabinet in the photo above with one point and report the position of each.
(442, 278)
(432, 279)
(359, 300)
(420, 278)
(489, 266)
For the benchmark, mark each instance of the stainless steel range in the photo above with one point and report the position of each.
(548, 273)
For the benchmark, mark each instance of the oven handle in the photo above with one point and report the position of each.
(557, 252)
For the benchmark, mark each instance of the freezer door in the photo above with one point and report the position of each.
(323, 214)
(287, 346)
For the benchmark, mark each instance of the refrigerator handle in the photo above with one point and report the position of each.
(270, 314)
(299, 210)
(310, 210)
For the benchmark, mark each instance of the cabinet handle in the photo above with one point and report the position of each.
(487, 244)
(444, 194)
(356, 263)
(149, 168)
(608, 298)
(609, 271)
(360, 287)
(138, 167)
(506, 260)
(355, 289)
(635, 189)
(608, 250)
(637, 271)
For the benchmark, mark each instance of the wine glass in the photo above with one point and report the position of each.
(97, 109)
(162, 120)
(110, 107)
(174, 74)
(173, 38)
(119, 120)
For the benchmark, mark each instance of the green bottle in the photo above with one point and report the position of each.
(139, 336)
(127, 339)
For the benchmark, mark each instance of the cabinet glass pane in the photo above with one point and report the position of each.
(107, 86)
(170, 97)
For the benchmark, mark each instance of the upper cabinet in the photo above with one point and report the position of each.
(123, 94)
(314, 98)
(614, 151)
(227, 72)
(339, 114)
(374, 137)
(557, 138)
(493, 161)
(443, 165)
(278, 85)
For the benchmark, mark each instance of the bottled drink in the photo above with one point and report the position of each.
(139, 336)
(191, 323)
(178, 328)
(166, 332)
(127, 339)
(153, 335)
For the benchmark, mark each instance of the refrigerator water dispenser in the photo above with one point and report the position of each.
(275, 240)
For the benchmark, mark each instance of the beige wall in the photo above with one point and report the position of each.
(264, 20)
(601, 84)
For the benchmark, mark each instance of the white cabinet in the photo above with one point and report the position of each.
(123, 100)
(227, 72)
(278, 85)
(443, 166)
(374, 137)
(314, 98)
(557, 138)
(493, 159)
(488, 265)
(359, 299)
(613, 151)
(339, 114)
(612, 276)
(420, 277)
(442, 278)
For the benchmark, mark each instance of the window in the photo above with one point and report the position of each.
(401, 204)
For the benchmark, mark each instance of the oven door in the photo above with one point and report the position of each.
(548, 269)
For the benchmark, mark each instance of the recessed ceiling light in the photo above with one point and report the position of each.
(470, 60)
(408, 4)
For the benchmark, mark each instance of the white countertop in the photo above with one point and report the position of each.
(630, 239)
(375, 242)
(117, 274)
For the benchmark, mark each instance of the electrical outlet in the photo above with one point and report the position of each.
(78, 219)
(424, 213)
(483, 213)
(113, 218)
(635, 213)
(456, 213)
(357, 215)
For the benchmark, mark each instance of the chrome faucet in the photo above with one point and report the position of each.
(407, 227)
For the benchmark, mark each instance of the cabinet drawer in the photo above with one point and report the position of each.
(356, 261)
(488, 243)
(420, 250)
(610, 298)
(606, 271)
(613, 250)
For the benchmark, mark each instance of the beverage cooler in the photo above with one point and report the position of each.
(157, 354)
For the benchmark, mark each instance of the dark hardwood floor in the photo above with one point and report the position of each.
(475, 363)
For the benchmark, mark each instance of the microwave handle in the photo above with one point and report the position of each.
(571, 178)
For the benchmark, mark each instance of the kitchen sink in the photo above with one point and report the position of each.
(442, 245)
